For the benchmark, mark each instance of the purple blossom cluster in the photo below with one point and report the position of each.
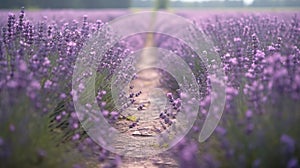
(173, 108)
(37, 115)
(260, 56)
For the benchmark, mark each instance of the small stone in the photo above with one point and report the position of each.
(136, 133)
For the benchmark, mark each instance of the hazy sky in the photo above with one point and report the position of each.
(246, 1)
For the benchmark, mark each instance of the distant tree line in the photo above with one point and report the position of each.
(213, 3)
(142, 3)
(65, 3)
(161, 4)
(275, 3)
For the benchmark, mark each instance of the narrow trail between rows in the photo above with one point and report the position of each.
(142, 149)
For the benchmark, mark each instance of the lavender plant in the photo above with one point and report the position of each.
(260, 56)
(39, 126)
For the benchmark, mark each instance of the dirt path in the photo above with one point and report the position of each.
(142, 148)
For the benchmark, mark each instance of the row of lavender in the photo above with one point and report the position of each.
(260, 55)
(37, 57)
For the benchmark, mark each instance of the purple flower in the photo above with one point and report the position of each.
(76, 137)
(271, 48)
(75, 125)
(22, 66)
(233, 61)
(221, 130)
(170, 95)
(76, 166)
(12, 127)
(256, 163)
(35, 85)
(289, 142)
(249, 128)
(42, 153)
(188, 153)
(249, 114)
(114, 113)
(105, 113)
(48, 84)
(58, 118)
(62, 96)
(1, 142)
(293, 163)
(12, 84)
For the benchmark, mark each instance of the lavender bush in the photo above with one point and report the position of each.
(39, 126)
(260, 56)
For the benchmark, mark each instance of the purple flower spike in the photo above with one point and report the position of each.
(289, 142)
(170, 95)
(1, 142)
(221, 130)
(76, 166)
(12, 127)
(76, 137)
(58, 118)
(293, 163)
(249, 114)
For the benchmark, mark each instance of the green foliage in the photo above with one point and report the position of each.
(132, 118)
(161, 4)
(28, 143)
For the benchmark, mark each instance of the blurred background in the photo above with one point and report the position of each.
(96, 4)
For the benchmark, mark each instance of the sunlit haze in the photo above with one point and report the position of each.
(247, 2)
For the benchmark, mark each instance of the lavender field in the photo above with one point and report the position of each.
(259, 54)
